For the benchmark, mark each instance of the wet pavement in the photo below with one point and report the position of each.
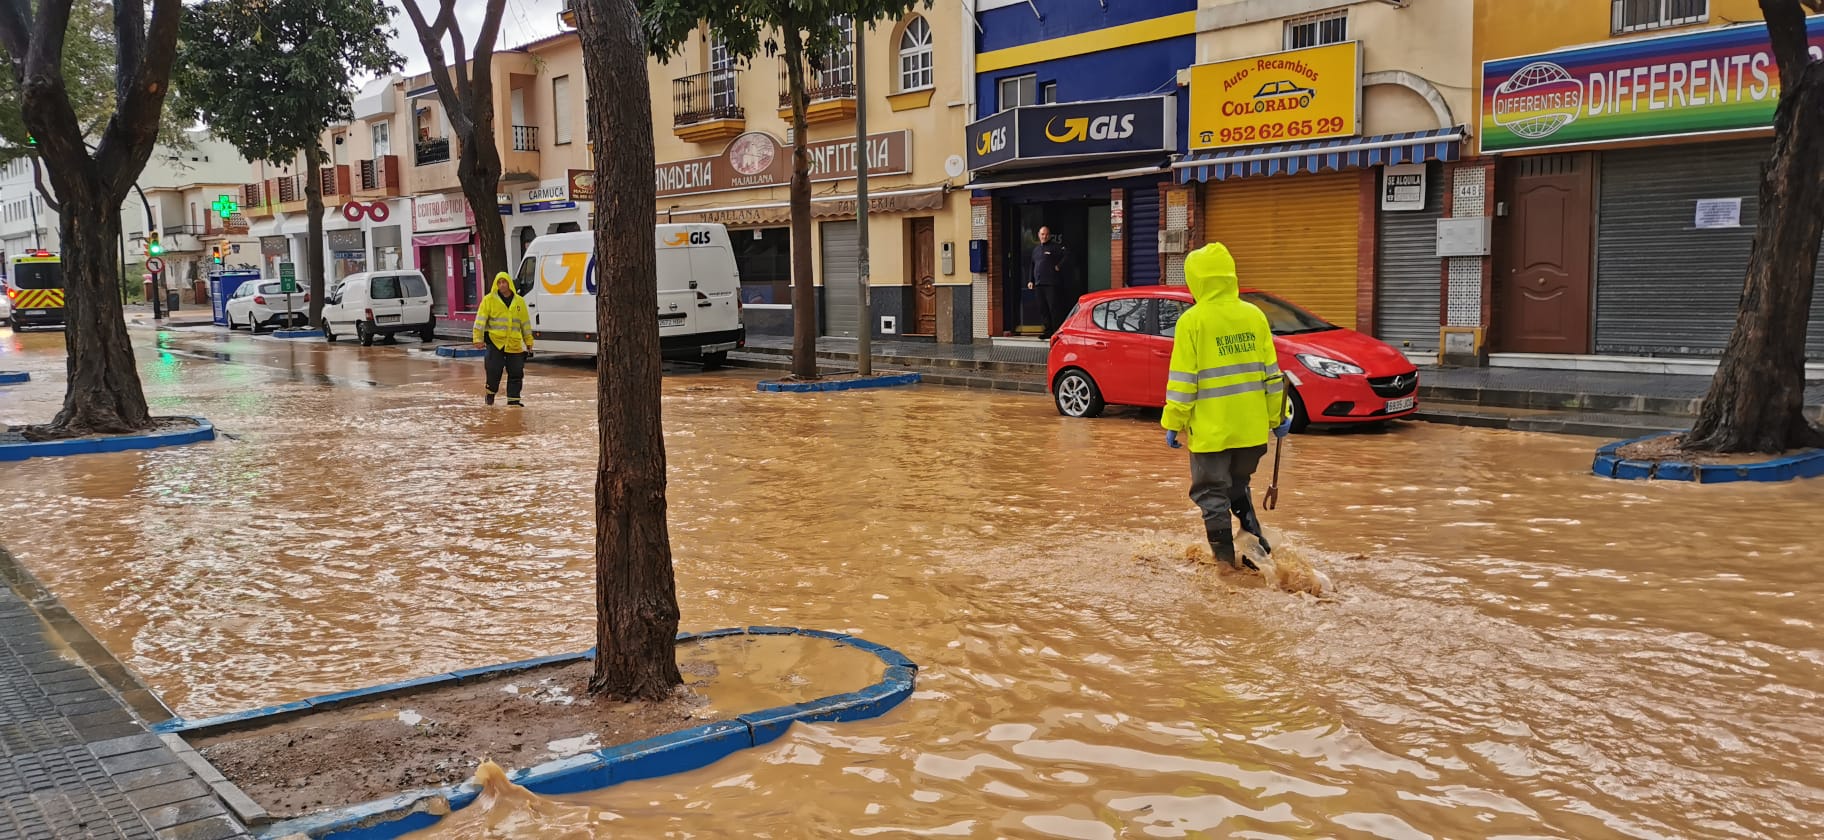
(1519, 648)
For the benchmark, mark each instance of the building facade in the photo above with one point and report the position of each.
(723, 140)
(1078, 114)
(1324, 144)
(1626, 142)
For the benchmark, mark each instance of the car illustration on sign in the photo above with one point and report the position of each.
(1283, 89)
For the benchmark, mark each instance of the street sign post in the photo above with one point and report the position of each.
(155, 265)
(288, 283)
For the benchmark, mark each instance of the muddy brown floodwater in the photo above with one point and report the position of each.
(1518, 649)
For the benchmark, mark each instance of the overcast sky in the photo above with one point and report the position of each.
(524, 21)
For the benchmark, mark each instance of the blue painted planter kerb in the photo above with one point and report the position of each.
(455, 351)
(204, 431)
(14, 377)
(890, 380)
(297, 333)
(1610, 464)
(678, 752)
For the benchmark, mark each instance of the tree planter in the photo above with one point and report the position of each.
(837, 383)
(177, 431)
(1610, 464)
(14, 377)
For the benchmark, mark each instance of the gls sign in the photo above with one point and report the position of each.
(1107, 128)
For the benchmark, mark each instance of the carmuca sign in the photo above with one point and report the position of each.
(757, 159)
(1714, 81)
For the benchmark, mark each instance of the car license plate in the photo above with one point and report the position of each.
(33, 312)
(670, 320)
(1401, 404)
(387, 319)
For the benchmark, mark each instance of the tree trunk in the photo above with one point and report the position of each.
(1757, 397)
(804, 295)
(103, 395)
(478, 168)
(314, 249)
(636, 597)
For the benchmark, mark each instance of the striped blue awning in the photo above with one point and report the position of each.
(1337, 155)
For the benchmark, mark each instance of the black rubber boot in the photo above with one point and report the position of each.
(1243, 508)
(488, 400)
(1223, 547)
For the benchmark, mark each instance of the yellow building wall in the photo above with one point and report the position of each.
(1428, 39)
(1509, 28)
(936, 134)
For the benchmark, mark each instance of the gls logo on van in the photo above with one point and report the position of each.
(683, 238)
(1078, 129)
(575, 273)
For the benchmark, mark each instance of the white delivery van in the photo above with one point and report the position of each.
(379, 304)
(699, 293)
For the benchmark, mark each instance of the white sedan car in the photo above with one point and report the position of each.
(6, 305)
(261, 304)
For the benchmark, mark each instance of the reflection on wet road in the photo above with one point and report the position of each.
(1520, 649)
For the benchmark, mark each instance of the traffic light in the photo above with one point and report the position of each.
(215, 253)
(152, 247)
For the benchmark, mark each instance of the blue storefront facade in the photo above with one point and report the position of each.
(1079, 114)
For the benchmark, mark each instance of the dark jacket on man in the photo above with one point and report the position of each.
(1048, 267)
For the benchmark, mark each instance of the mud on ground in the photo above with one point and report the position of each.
(1671, 448)
(375, 749)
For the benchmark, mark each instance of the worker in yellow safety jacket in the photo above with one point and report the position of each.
(504, 329)
(1224, 396)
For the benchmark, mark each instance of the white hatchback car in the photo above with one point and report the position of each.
(6, 304)
(260, 304)
(379, 303)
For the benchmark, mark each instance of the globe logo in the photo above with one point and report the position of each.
(1538, 100)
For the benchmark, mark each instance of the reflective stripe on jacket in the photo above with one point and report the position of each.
(506, 325)
(1225, 390)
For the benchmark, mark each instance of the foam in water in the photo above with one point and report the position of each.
(1285, 569)
(506, 810)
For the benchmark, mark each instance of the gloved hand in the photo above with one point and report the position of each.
(1284, 428)
(1171, 439)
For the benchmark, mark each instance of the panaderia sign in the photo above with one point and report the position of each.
(1307, 94)
(757, 159)
(1714, 81)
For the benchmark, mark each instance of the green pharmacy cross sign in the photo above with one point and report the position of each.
(225, 206)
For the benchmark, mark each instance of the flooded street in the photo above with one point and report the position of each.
(1519, 649)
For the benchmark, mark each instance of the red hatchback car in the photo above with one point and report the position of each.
(1115, 348)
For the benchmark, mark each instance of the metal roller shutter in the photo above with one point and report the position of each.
(841, 270)
(1294, 236)
(1409, 273)
(1143, 236)
(1663, 287)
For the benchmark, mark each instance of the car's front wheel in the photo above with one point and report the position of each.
(1300, 418)
(1076, 395)
(327, 335)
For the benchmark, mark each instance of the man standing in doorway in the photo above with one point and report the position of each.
(1051, 278)
(504, 328)
(1223, 395)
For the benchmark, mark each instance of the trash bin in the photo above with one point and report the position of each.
(172, 298)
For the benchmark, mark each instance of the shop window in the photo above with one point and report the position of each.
(1048, 93)
(763, 258)
(915, 55)
(1124, 315)
(1017, 91)
(1642, 15)
(1317, 30)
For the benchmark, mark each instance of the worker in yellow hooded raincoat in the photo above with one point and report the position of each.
(503, 327)
(1224, 396)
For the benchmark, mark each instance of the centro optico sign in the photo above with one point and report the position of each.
(1717, 80)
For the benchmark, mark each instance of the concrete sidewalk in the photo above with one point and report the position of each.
(74, 760)
(1526, 399)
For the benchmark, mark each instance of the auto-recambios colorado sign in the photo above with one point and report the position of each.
(1713, 81)
(1307, 94)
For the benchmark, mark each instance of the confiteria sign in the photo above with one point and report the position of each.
(1713, 81)
(756, 159)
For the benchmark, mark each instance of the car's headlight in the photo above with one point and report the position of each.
(1327, 367)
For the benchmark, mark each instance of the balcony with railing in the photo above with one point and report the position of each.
(1645, 15)
(379, 177)
(525, 138)
(253, 201)
(431, 150)
(184, 239)
(830, 93)
(333, 180)
(706, 107)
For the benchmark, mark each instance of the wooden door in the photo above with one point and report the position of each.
(1543, 269)
(924, 278)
